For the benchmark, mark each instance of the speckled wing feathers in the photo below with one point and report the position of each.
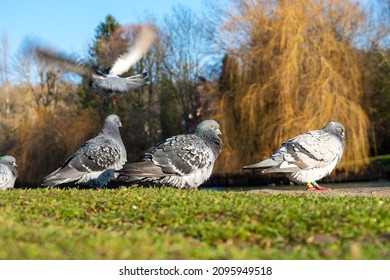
(100, 154)
(308, 157)
(95, 162)
(312, 149)
(182, 154)
(95, 155)
(182, 161)
(8, 175)
(4, 177)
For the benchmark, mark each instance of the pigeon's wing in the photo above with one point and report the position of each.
(310, 150)
(140, 47)
(114, 84)
(95, 155)
(4, 176)
(181, 155)
(64, 61)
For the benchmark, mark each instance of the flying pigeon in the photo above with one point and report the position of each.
(8, 172)
(106, 82)
(182, 161)
(308, 157)
(95, 161)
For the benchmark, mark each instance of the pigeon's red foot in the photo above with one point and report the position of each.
(315, 186)
(318, 187)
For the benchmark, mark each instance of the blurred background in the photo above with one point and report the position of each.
(265, 70)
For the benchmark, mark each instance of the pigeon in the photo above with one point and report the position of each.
(8, 172)
(106, 82)
(95, 162)
(182, 161)
(308, 157)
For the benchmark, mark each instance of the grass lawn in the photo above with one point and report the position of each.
(380, 160)
(165, 223)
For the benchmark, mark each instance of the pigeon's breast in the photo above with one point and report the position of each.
(199, 177)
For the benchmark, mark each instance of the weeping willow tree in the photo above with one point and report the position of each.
(291, 67)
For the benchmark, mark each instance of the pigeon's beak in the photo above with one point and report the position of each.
(119, 124)
(14, 164)
(219, 132)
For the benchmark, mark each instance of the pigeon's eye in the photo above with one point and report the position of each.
(117, 120)
(211, 126)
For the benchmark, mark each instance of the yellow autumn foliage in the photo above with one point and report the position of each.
(293, 68)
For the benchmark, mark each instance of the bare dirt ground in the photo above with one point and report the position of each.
(364, 191)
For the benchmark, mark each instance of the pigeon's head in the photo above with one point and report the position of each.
(8, 160)
(209, 131)
(336, 129)
(111, 126)
(208, 127)
(113, 120)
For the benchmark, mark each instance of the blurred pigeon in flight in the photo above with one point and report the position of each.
(308, 157)
(106, 82)
(96, 161)
(8, 172)
(182, 161)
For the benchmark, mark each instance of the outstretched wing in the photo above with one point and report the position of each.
(64, 61)
(142, 44)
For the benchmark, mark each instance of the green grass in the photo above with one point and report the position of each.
(380, 160)
(166, 223)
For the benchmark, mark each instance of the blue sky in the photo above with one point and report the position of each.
(70, 24)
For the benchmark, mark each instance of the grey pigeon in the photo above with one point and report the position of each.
(95, 161)
(308, 157)
(106, 82)
(8, 172)
(182, 161)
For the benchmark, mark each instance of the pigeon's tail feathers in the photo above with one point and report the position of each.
(284, 167)
(136, 82)
(138, 76)
(134, 171)
(61, 176)
(263, 164)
